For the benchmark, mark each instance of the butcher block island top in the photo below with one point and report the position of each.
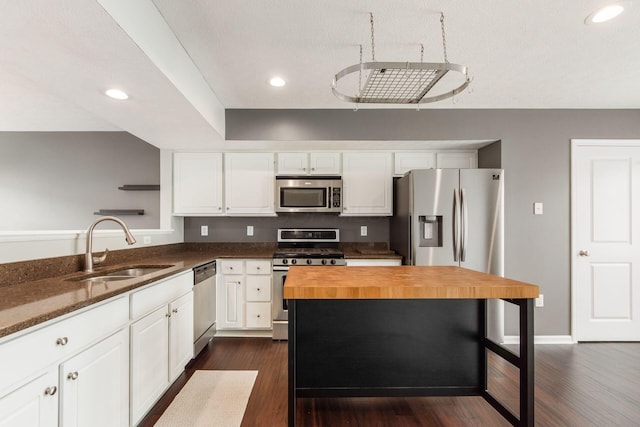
(401, 282)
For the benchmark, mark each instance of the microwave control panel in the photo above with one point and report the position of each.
(335, 197)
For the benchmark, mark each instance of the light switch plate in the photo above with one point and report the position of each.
(363, 230)
(204, 230)
(146, 240)
(540, 301)
(249, 230)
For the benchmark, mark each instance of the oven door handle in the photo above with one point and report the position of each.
(280, 268)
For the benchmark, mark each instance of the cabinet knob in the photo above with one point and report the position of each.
(583, 253)
(258, 289)
(73, 375)
(167, 315)
(258, 316)
(50, 391)
(62, 341)
(219, 208)
(257, 268)
(313, 169)
(175, 310)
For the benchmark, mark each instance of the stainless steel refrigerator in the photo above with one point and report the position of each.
(452, 217)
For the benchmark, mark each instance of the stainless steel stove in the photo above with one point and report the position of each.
(300, 247)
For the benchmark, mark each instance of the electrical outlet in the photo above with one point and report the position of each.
(146, 240)
(540, 301)
(204, 230)
(363, 230)
(537, 208)
(249, 230)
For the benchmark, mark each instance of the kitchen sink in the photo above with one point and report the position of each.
(123, 274)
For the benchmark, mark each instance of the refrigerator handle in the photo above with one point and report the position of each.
(410, 260)
(463, 225)
(455, 225)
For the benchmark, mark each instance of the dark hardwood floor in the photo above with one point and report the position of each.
(588, 384)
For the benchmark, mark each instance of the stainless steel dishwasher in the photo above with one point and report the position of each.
(204, 306)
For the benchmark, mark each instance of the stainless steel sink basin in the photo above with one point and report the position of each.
(124, 274)
(100, 278)
(138, 271)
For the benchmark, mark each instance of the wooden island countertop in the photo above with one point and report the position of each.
(401, 282)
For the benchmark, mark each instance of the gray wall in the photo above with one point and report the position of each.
(56, 180)
(233, 229)
(535, 153)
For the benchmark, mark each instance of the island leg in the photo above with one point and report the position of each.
(527, 401)
(292, 362)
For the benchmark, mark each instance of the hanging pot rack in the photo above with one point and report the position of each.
(400, 82)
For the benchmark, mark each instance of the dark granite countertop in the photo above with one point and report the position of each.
(26, 299)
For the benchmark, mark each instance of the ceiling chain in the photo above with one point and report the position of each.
(444, 41)
(373, 45)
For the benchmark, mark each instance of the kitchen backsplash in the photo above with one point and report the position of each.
(234, 229)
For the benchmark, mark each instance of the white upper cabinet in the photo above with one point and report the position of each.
(197, 184)
(457, 160)
(406, 161)
(318, 163)
(367, 184)
(249, 183)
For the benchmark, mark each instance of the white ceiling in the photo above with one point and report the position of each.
(184, 61)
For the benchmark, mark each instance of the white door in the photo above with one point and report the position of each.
(605, 250)
(180, 334)
(95, 385)
(149, 361)
(33, 405)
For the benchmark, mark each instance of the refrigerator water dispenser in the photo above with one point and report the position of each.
(430, 230)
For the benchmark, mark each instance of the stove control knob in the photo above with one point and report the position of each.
(309, 261)
(333, 261)
(285, 261)
(294, 261)
(324, 262)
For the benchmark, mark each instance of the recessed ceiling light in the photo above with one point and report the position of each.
(606, 13)
(116, 94)
(277, 82)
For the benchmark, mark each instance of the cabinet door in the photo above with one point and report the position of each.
(95, 385)
(180, 334)
(231, 302)
(324, 164)
(197, 183)
(293, 164)
(249, 183)
(35, 404)
(258, 315)
(404, 162)
(457, 160)
(367, 184)
(149, 361)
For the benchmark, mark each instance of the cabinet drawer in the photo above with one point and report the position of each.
(258, 267)
(34, 351)
(231, 266)
(258, 315)
(258, 288)
(160, 293)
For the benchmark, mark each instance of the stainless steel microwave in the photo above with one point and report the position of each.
(309, 194)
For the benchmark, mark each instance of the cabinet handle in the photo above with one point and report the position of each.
(50, 391)
(62, 341)
(175, 310)
(73, 375)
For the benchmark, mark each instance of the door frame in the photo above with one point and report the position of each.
(575, 145)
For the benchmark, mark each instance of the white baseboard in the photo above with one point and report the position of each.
(244, 333)
(541, 339)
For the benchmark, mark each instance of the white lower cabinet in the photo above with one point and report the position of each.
(94, 385)
(35, 404)
(161, 340)
(74, 372)
(244, 294)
